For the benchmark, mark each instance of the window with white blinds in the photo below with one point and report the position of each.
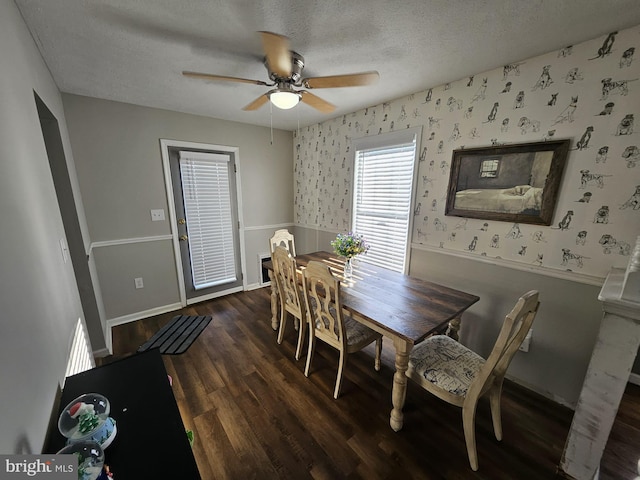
(383, 191)
(206, 191)
(80, 356)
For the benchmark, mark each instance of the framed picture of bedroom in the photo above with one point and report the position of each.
(509, 183)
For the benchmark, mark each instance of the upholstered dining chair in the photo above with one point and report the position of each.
(291, 300)
(330, 323)
(283, 238)
(460, 376)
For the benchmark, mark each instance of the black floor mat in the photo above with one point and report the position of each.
(177, 335)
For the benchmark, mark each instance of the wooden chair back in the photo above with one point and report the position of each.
(322, 296)
(285, 268)
(283, 238)
(515, 327)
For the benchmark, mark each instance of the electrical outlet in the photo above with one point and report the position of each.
(157, 215)
(526, 343)
(139, 282)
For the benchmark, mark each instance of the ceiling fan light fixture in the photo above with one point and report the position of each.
(284, 99)
(285, 71)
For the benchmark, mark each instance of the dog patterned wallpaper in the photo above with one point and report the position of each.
(589, 93)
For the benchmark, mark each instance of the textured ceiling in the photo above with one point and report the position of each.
(135, 50)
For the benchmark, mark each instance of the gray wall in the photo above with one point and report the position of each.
(39, 301)
(118, 160)
(564, 330)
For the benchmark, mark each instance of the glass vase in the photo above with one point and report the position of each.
(348, 267)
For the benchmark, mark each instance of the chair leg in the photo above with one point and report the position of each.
(275, 301)
(283, 322)
(468, 424)
(312, 344)
(378, 353)
(343, 361)
(494, 400)
(301, 332)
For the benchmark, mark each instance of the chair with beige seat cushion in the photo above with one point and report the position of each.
(460, 376)
(292, 302)
(283, 238)
(330, 323)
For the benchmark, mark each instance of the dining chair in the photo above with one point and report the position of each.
(283, 238)
(459, 376)
(330, 323)
(286, 240)
(287, 283)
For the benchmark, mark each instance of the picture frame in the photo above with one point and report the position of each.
(508, 183)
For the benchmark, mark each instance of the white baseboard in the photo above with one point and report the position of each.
(542, 392)
(634, 378)
(211, 296)
(103, 352)
(114, 322)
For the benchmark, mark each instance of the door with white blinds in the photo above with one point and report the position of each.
(206, 211)
(384, 178)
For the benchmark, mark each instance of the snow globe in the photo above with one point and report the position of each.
(90, 458)
(86, 418)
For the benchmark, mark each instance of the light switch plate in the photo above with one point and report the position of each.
(157, 215)
(139, 282)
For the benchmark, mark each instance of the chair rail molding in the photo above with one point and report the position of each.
(549, 272)
(128, 241)
(277, 226)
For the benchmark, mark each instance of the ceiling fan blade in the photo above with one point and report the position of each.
(278, 53)
(335, 81)
(316, 102)
(209, 76)
(257, 103)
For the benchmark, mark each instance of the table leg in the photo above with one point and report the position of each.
(274, 301)
(399, 391)
(454, 328)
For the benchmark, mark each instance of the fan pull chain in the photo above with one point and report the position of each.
(271, 120)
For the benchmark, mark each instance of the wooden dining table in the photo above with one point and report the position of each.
(400, 307)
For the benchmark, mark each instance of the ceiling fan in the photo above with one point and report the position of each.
(285, 71)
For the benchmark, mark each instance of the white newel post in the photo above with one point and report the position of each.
(608, 372)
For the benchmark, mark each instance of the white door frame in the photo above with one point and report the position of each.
(165, 144)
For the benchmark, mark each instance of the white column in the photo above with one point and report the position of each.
(608, 372)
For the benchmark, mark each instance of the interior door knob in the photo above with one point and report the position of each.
(183, 238)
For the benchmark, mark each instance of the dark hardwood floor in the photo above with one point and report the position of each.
(255, 414)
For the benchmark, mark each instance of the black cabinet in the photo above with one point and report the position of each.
(151, 441)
